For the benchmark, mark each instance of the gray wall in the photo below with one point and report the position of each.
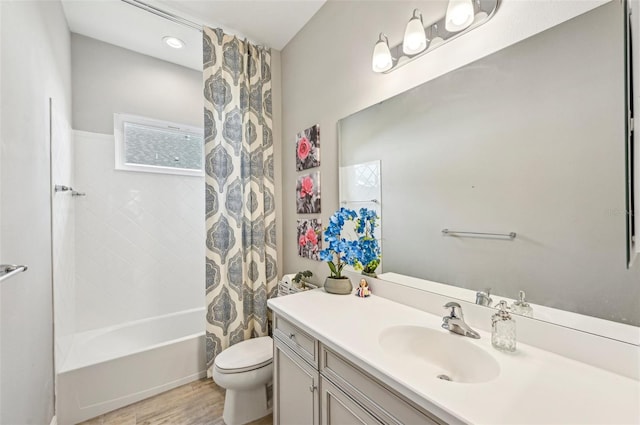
(35, 65)
(529, 139)
(326, 74)
(108, 79)
(276, 89)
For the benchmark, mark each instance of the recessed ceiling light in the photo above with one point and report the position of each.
(174, 42)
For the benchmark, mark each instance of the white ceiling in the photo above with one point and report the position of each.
(271, 23)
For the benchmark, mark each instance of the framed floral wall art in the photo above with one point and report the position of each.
(308, 148)
(308, 193)
(310, 238)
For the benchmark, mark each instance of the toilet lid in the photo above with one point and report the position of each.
(246, 355)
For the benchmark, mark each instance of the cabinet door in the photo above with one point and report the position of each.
(369, 393)
(296, 399)
(339, 409)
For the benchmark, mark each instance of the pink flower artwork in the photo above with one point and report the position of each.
(307, 186)
(308, 148)
(308, 193)
(304, 147)
(309, 240)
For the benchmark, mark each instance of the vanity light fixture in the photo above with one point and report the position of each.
(415, 38)
(461, 17)
(174, 42)
(382, 60)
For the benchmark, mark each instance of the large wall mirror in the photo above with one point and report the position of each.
(533, 140)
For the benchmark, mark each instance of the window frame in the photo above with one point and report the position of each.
(119, 119)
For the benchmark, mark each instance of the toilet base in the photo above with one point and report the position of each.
(244, 406)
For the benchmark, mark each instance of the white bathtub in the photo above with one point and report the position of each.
(112, 367)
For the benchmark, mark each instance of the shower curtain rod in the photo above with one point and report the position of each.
(164, 14)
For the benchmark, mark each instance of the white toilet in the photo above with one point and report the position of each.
(245, 370)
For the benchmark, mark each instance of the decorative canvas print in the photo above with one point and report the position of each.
(310, 238)
(308, 148)
(308, 193)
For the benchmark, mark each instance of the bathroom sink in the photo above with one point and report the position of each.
(439, 354)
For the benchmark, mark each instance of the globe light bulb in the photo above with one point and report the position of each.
(381, 60)
(415, 39)
(459, 15)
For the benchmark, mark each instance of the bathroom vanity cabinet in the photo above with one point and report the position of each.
(315, 385)
(346, 359)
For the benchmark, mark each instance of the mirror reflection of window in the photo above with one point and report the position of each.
(360, 187)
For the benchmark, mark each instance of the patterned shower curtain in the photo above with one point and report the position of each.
(240, 209)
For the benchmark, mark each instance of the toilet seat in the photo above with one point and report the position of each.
(244, 369)
(246, 356)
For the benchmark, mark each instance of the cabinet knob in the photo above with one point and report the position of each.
(312, 387)
(292, 337)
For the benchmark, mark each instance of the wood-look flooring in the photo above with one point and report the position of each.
(197, 403)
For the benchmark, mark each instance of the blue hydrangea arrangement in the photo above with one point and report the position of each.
(370, 252)
(362, 253)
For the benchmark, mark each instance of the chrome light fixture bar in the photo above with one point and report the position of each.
(462, 16)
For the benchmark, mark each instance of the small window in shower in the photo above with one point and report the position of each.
(154, 146)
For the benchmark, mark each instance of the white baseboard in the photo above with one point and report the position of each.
(54, 420)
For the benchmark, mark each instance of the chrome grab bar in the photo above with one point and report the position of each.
(361, 201)
(8, 270)
(447, 232)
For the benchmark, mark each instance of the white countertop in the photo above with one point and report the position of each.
(534, 386)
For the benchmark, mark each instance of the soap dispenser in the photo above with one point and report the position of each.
(522, 307)
(503, 329)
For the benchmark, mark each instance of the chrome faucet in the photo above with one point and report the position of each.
(455, 323)
(484, 298)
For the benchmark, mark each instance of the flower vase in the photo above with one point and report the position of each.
(338, 285)
(369, 274)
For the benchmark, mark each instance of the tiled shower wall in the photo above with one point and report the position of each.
(139, 239)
